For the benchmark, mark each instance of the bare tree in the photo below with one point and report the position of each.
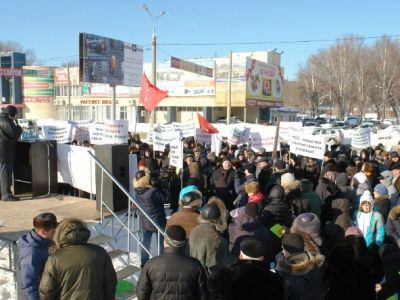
(8, 46)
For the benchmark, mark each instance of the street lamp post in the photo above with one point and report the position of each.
(154, 51)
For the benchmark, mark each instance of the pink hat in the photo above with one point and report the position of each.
(353, 230)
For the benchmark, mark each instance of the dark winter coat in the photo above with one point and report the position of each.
(222, 186)
(172, 275)
(263, 178)
(275, 179)
(9, 135)
(312, 173)
(382, 205)
(391, 267)
(278, 207)
(33, 252)
(152, 201)
(301, 274)
(325, 188)
(246, 279)
(393, 225)
(293, 198)
(77, 270)
(243, 226)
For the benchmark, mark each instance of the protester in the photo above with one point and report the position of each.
(77, 269)
(306, 187)
(308, 226)
(249, 278)
(206, 243)
(222, 183)
(33, 251)
(299, 269)
(10, 132)
(381, 200)
(370, 222)
(172, 275)
(393, 226)
(293, 197)
(187, 216)
(277, 208)
(152, 202)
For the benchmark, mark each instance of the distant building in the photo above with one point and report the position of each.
(284, 114)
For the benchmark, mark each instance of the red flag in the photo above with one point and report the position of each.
(205, 125)
(150, 95)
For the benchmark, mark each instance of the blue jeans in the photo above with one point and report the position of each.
(146, 241)
(6, 169)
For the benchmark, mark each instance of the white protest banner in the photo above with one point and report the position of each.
(115, 132)
(388, 137)
(176, 154)
(285, 129)
(264, 139)
(75, 167)
(60, 132)
(96, 131)
(160, 139)
(361, 138)
(238, 136)
(216, 143)
(80, 131)
(185, 129)
(203, 137)
(307, 145)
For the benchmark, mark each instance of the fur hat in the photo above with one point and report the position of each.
(252, 247)
(252, 187)
(293, 243)
(287, 179)
(175, 236)
(193, 169)
(309, 223)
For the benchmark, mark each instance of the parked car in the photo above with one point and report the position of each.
(333, 136)
(234, 120)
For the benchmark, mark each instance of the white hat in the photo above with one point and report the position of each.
(366, 197)
(360, 177)
(287, 179)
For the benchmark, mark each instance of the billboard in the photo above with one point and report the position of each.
(61, 76)
(183, 83)
(38, 84)
(185, 65)
(105, 60)
(263, 81)
(10, 72)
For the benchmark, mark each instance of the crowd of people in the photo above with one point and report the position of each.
(242, 226)
(294, 228)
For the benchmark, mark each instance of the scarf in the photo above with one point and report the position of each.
(256, 198)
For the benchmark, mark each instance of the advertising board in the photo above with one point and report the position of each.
(38, 84)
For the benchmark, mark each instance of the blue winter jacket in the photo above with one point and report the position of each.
(33, 252)
(375, 231)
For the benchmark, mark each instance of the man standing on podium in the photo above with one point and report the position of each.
(10, 132)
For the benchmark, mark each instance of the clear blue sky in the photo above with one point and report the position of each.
(51, 27)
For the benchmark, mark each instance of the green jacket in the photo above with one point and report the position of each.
(77, 270)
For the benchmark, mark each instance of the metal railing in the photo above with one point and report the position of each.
(131, 201)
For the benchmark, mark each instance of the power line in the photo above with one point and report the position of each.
(278, 42)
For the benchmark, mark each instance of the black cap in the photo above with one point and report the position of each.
(394, 154)
(210, 212)
(10, 110)
(395, 166)
(293, 243)
(263, 159)
(252, 247)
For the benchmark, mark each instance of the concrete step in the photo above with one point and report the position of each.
(100, 239)
(116, 253)
(127, 271)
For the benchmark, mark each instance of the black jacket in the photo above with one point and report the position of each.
(393, 225)
(172, 275)
(9, 135)
(246, 279)
(222, 185)
(278, 207)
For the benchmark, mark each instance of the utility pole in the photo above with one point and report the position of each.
(154, 53)
(228, 109)
(69, 94)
